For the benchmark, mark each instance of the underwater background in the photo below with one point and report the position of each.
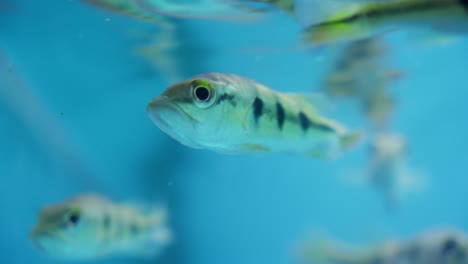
(73, 96)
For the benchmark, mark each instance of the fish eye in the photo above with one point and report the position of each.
(73, 218)
(449, 246)
(202, 93)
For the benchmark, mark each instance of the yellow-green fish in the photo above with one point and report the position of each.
(228, 113)
(90, 227)
(360, 20)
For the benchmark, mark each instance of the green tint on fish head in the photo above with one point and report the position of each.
(63, 231)
(196, 112)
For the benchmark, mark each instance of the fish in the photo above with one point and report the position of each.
(286, 6)
(442, 245)
(226, 10)
(127, 8)
(351, 20)
(389, 172)
(362, 73)
(90, 226)
(232, 114)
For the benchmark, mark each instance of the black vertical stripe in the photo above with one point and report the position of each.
(280, 115)
(257, 108)
(305, 122)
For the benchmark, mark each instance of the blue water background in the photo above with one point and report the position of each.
(78, 61)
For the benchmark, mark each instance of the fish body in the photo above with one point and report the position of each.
(441, 246)
(367, 19)
(232, 114)
(91, 227)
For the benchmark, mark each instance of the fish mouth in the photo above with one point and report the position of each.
(158, 108)
(38, 237)
(172, 120)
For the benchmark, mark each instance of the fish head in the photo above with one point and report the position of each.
(64, 231)
(196, 112)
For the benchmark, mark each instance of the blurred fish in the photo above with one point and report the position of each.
(439, 246)
(361, 73)
(160, 47)
(378, 106)
(340, 20)
(285, 5)
(234, 10)
(127, 8)
(356, 69)
(160, 51)
(388, 170)
(227, 113)
(91, 227)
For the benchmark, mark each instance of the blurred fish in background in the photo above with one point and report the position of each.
(227, 10)
(159, 45)
(90, 226)
(435, 246)
(388, 171)
(340, 20)
(127, 8)
(361, 73)
(38, 149)
(163, 47)
(286, 5)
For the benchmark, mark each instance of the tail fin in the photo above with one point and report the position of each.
(161, 232)
(154, 234)
(348, 140)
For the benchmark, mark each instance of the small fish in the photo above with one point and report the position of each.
(285, 5)
(438, 246)
(233, 10)
(127, 8)
(91, 227)
(228, 113)
(353, 20)
(378, 106)
(389, 171)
